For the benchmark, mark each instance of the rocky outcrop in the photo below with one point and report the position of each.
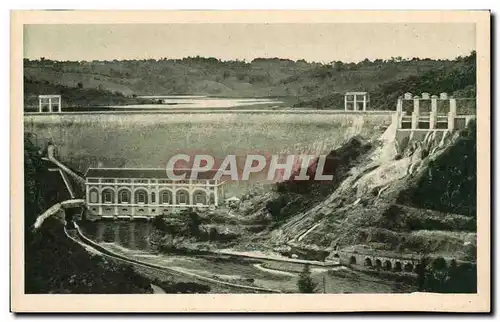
(379, 203)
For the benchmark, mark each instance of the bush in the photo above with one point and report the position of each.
(159, 223)
(450, 182)
(275, 206)
(305, 282)
(186, 223)
(434, 276)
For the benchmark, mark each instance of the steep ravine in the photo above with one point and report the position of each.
(400, 197)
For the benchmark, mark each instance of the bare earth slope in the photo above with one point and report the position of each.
(383, 201)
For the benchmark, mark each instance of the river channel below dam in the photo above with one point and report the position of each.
(132, 239)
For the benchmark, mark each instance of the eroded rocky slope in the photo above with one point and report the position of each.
(394, 195)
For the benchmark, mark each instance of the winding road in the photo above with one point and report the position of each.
(76, 235)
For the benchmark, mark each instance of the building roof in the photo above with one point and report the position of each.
(139, 173)
(356, 93)
(51, 96)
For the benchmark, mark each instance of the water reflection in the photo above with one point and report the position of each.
(117, 234)
(129, 234)
(194, 102)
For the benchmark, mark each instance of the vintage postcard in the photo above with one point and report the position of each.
(240, 161)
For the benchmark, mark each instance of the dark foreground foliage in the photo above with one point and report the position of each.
(54, 263)
(305, 282)
(435, 276)
(450, 182)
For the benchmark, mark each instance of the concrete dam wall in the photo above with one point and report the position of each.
(149, 140)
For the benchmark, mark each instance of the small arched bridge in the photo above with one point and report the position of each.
(391, 264)
(377, 262)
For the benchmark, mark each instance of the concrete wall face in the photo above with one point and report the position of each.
(150, 140)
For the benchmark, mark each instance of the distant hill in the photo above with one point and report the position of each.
(457, 78)
(308, 84)
(76, 97)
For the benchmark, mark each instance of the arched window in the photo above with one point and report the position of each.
(182, 197)
(200, 197)
(141, 196)
(107, 196)
(387, 265)
(352, 260)
(94, 197)
(368, 262)
(124, 196)
(165, 197)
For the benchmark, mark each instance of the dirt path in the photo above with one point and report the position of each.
(273, 271)
(84, 241)
(278, 258)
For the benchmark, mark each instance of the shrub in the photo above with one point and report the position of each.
(305, 282)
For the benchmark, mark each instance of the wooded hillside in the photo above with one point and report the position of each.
(304, 84)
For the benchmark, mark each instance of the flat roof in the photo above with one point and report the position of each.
(144, 173)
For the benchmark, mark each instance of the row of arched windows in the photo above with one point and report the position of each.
(142, 196)
(387, 265)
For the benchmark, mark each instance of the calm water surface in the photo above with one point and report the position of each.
(129, 234)
(172, 102)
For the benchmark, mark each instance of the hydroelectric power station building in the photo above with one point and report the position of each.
(145, 193)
